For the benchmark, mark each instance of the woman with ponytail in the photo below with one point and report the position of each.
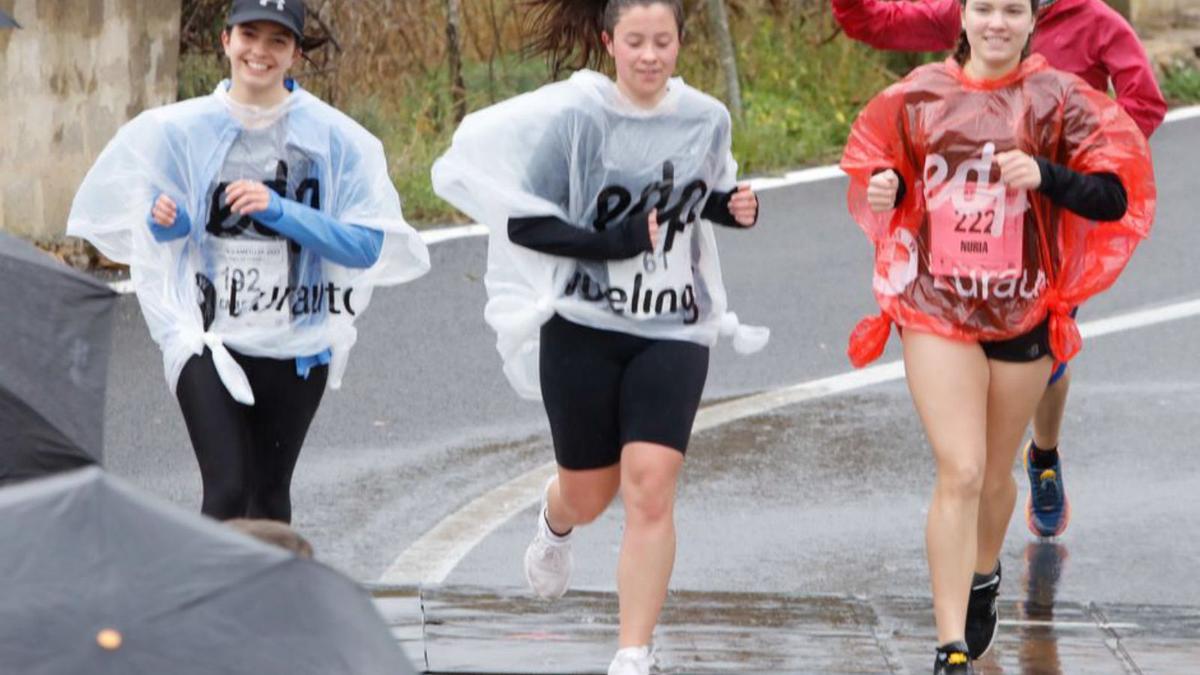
(604, 284)
(998, 194)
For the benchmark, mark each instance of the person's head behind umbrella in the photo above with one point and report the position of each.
(273, 532)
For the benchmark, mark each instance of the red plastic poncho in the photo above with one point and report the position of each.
(963, 256)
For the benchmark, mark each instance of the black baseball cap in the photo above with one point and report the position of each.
(287, 13)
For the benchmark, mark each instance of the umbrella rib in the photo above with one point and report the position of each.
(23, 408)
(223, 590)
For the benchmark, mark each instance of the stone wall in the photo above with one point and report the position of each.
(74, 73)
(1163, 12)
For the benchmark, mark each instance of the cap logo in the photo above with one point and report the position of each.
(279, 4)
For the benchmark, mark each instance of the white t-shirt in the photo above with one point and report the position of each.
(579, 151)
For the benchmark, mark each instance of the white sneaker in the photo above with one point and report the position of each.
(632, 661)
(548, 559)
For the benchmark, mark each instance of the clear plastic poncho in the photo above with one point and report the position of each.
(965, 257)
(303, 304)
(579, 151)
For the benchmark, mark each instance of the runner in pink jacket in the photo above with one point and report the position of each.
(1084, 37)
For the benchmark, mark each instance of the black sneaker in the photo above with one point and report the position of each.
(982, 616)
(952, 659)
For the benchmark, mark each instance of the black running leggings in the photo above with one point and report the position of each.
(247, 453)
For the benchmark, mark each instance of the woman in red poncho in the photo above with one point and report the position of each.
(998, 193)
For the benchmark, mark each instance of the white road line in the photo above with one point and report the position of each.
(441, 234)
(1069, 624)
(1140, 318)
(1182, 114)
(430, 237)
(433, 556)
(812, 175)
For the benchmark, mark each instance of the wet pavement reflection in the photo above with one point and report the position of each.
(1039, 643)
(471, 629)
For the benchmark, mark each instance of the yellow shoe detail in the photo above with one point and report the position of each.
(956, 659)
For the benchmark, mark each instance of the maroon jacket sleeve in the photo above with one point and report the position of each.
(924, 26)
(1132, 78)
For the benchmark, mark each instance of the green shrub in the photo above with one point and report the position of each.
(1181, 84)
(798, 109)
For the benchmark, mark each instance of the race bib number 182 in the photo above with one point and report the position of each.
(248, 271)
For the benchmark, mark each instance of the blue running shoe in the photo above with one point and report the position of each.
(1047, 510)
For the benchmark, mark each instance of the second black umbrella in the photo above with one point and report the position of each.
(101, 579)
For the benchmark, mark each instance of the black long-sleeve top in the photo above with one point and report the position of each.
(1098, 196)
(627, 238)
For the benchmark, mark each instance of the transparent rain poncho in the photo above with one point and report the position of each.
(963, 256)
(304, 304)
(579, 151)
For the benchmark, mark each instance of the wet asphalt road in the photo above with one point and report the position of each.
(469, 629)
(822, 497)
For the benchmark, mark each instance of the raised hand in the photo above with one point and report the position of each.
(247, 197)
(1019, 170)
(164, 211)
(652, 219)
(744, 205)
(882, 190)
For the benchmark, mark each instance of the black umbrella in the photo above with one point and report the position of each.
(98, 578)
(7, 21)
(55, 331)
